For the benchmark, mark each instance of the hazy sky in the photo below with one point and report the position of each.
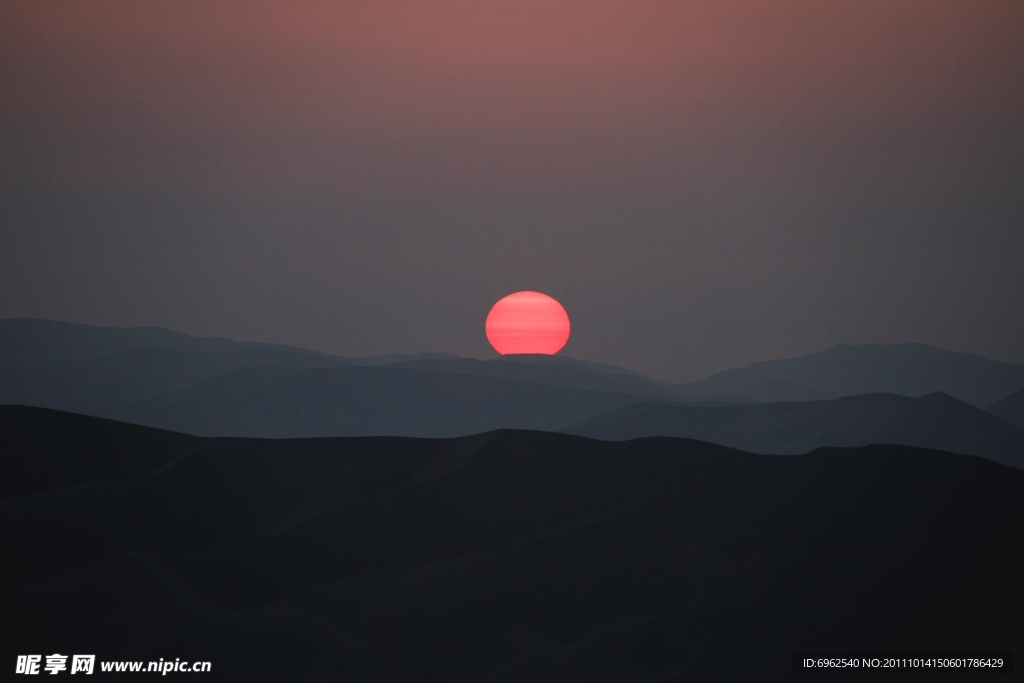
(701, 184)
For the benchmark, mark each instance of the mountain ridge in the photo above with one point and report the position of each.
(524, 555)
(219, 387)
(1010, 408)
(931, 421)
(909, 369)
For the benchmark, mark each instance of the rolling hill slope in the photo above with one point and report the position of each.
(514, 556)
(931, 421)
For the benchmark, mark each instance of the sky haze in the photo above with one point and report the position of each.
(702, 185)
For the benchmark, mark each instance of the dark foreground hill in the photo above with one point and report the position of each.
(505, 556)
(932, 421)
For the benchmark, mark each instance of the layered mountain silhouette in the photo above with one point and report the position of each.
(845, 370)
(932, 421)
(1010, 408)
(509, 555)
(218, 387)
(96, 385)
(849, 370)
(282, 402)
(29, 343)
(551, 371)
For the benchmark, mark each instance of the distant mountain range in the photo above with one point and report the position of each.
(548, 370)
(218, 387)
(932, 421)
(274, 401)
(846, 370)
(509, 555)
(1010, 409)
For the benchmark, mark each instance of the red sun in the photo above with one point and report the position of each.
(527, 322)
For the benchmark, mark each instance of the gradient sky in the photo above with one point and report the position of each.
(701, 184)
